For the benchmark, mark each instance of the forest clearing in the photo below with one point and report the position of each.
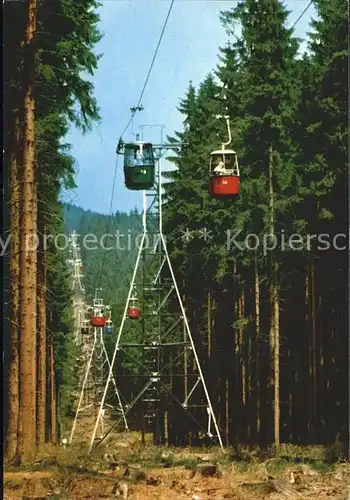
(194, 344)
(123, 468)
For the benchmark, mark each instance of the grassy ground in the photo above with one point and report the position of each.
(126, 469)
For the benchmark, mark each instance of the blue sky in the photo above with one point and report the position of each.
(189, 51)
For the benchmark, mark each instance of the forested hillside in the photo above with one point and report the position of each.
(109, 249)
(273, 316)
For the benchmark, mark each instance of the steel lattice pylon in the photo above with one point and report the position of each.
(94, 360)
(169, 381)
(75, 265)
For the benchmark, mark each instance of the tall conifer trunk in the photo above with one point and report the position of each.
(53, 398)
(257, 334)
(270, 380)
(41, 339)
(313, 352)
(274, 311)
(276, 362)
(241, 349)
(185, 339)
(28, 253)
(209, 322)
(11, 441)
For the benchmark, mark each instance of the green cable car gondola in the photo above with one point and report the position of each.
(139, 168)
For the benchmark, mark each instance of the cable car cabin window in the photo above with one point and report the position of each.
(230, 162)
(218, 164)
(224, 164)
(138, 155)
(132, 155)
(148, 154)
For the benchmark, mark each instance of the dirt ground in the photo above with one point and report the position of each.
(128, 470)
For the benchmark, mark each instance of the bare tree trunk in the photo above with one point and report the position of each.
(241, 349)
(321, 372)
(272, 233)
(227, 412)
(313, 351)
(308, 374)
(209, 323)
(41, 339)
(28, 260)
(11, 441)
(276, 360)
(185, 339)
(53, 401)
(257, 333)
(274, 311)
(271, 278)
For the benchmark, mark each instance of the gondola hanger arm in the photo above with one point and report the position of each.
(227, 118)
(121, 144)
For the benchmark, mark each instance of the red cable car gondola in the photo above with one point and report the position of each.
(224, 174)
(134, 311)
(98, 321)
(224, 170)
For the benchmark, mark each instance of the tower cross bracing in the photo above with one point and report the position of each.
(156, 354)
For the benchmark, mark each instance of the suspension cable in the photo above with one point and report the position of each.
(156, 52)
(138, 107)
(302, 14)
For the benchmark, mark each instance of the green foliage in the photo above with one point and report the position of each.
(109, 268)
(60, 324)
(274, 101)
(66, 35)
(322, 119)
(288, 119)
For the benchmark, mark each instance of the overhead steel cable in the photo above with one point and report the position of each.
(136, 108)
(156, 52)
(302, 14)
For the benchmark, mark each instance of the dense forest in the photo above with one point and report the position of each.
(274, 316)
(47, 47)
(266, 291)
